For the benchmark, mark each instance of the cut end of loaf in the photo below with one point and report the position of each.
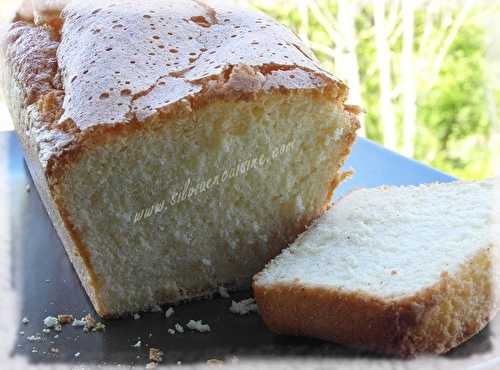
(395, 270)
(204, 200)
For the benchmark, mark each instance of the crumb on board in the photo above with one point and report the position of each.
(65, 319)
(78, 323)
(99, 327)
(89, 323)
(178, 327)
(156, 308)
(198, 326)
(169, 312)
(215, 362)
(50, 322)
(243, 307)
(155, 355)
(223, 292)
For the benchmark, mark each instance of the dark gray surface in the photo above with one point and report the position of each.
(44, 283)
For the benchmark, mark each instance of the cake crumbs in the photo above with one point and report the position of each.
(99, 327)
(152, 365)
(78, 323)
(34, 338)
(223, 292)
(89, 323)
(25, 320)
(198, 326)
(136, 316)
(50, 322)
(76, 355)
(156, 308)
(46, 331)
(171, 331)
(54, 350)
(169, 312)
(243, 307)
(137, 345)
(65, 319)
(155, 355)
(215, 362)
(178, 327)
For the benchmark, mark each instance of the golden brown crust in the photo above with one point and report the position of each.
(402, 327)
(33, 92)
(70, 238)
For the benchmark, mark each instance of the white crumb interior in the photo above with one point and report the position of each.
(391, 242)
(223, 235)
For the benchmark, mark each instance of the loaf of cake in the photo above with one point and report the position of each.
(398, 270)
(177, 145)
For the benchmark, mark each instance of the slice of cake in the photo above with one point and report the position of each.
(177, 145)
(398, 270)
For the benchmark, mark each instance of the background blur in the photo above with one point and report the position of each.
(426, 71)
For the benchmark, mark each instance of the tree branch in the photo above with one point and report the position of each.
(325, 24)
(443, 50)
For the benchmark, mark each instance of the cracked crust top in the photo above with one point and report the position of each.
(86, 68)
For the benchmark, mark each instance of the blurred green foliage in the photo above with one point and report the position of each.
(454, 120)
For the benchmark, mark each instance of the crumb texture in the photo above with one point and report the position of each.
(398, 270)
(391, 242)
(179, 224)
